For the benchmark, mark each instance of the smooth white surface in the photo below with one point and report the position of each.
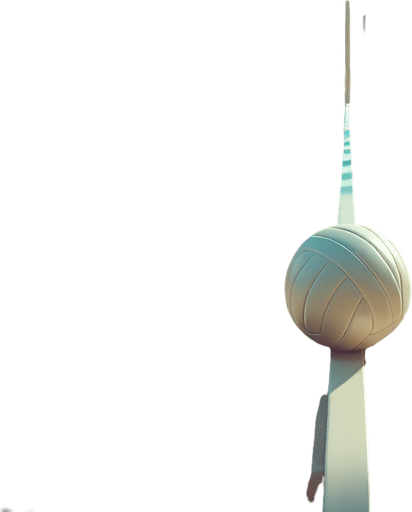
(346, 458)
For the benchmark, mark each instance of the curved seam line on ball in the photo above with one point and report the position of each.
(293, 285)
(304, 265)
(384, 241)
(307, 293)
(367, 266)
(363, 263)
(304, 304)
(357, 306)
(324, 314)
(390, 245)
(311, 286)
(353, 316)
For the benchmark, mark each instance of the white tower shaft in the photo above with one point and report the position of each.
(346, 461)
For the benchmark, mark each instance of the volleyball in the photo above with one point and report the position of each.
(347, 287)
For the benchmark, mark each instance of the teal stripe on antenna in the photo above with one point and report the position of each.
(346, 204)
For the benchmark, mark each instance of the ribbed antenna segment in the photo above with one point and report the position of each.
(346, 204)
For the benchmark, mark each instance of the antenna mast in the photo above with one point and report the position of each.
(346, 207)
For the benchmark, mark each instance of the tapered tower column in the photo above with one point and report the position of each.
(346, 464)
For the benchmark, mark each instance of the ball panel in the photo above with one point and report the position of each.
(372, 339)
(296, 265)
(302, 285)
(319, 296)
(380, 242)
(359, 273)
(340, 312)
(376, 240)
(375, 263)
(405, 282)
(359, 328)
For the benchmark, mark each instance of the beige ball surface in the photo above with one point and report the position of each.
(347, 287)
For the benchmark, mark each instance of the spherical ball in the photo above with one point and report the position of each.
(347, 287)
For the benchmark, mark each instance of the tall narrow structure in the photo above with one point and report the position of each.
(346, 208)
(347, 288)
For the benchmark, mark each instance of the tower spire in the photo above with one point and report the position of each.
(346, 207)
